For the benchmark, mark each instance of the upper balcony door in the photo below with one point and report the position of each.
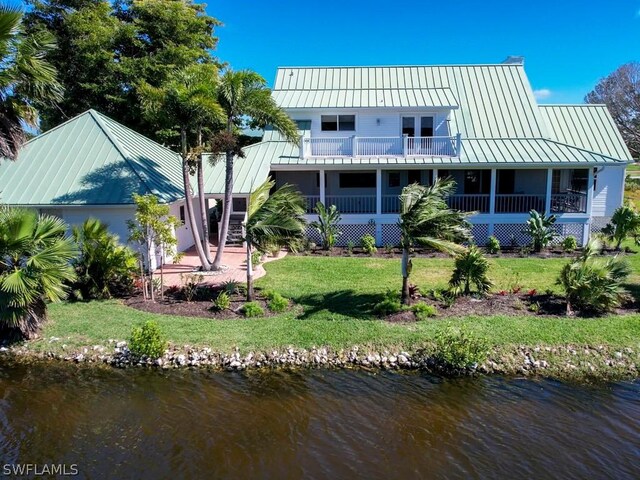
(419, 132)
(420, 125)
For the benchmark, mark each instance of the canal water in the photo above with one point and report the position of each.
(314, 424)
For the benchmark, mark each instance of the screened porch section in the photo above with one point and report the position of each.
(484, 191)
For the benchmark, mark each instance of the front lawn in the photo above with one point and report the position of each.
(337, 295)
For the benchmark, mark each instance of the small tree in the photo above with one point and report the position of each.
(470, 269)
(276, 218)
(153, 228)
(540, 229)
(426, 219)
(327, 225)
(625, 223)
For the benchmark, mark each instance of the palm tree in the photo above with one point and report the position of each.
(35, 265)
(245, 99)
(188, 102)
(426, 219)
(26, 79)
(272, 219)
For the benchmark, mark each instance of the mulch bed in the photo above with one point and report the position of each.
(171, 305)
(506, 304)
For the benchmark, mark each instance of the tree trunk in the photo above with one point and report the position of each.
(142, 276)
(162, 273)
(226, 208)
(405, 277)
(189, 204)
(204, 211)
(249, 274)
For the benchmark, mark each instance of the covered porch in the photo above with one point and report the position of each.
(494, 191)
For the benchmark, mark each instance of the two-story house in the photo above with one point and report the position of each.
(366, 132)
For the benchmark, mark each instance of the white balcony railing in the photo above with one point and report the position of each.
(404, 146)
(569, 203)
(353, 203)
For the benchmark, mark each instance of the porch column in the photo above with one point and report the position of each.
(322, 187)
(586, 232)
(492, 192)
(378, 205)
(435, 176)
(547, 200)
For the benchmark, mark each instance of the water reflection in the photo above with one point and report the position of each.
(316, 424)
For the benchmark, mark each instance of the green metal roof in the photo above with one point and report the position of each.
(496, 101)
(586, 126)
(90, 159)
(366, 98)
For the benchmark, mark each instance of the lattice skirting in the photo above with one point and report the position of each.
(511, 234)
(598, 223)
(480, 233)
(349, 233)
(390, 234)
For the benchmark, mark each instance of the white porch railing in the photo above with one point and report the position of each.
(379, 146)
(311, 201)
(520, 203)
(514, 203)
(352, 203)
(569, 203)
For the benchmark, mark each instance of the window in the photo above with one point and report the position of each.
(394, 179)
(239, 205)
(182, 217)
(506, 181)
(579, 180)
(334, 123)
(358, 180)
(477, 181)
(409, 126)
(426, 126)
(414, 177)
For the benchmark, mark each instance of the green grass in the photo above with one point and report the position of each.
(633, 168)
(337, 295)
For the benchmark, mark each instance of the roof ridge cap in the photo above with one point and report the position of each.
(119, 147)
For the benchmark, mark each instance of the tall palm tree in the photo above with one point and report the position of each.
(427, 220)
(35, 266)
(245, 99)
(188, 103)
(26, 79)
(272, 219)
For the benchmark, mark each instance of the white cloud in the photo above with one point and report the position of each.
(542, 93)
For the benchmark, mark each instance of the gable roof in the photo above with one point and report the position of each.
(90, 160)
(496, 101)
(587, 126)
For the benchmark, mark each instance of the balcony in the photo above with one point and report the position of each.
(404, 146)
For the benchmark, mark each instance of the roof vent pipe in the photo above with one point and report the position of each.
(514, 60)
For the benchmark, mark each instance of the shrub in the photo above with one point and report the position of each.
(470, 268)
(35, 256)
(256, 258)
(190, 284)
(277, 303)
(593, 284)
(327, 225)
(233, 287)
(458, 349)
(540, 229)
(147, 341)
(350, 245)
(222, 302)
(389, 248)
(569, 244)
(389, 305)
(368, 244)
(252, 309)
(422, 311)
(493, 245)
(625, 223)
(414, 291)
(104, 268)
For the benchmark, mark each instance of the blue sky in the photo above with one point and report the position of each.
(568, 45)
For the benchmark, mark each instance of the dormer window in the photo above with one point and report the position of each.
(341, 123)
